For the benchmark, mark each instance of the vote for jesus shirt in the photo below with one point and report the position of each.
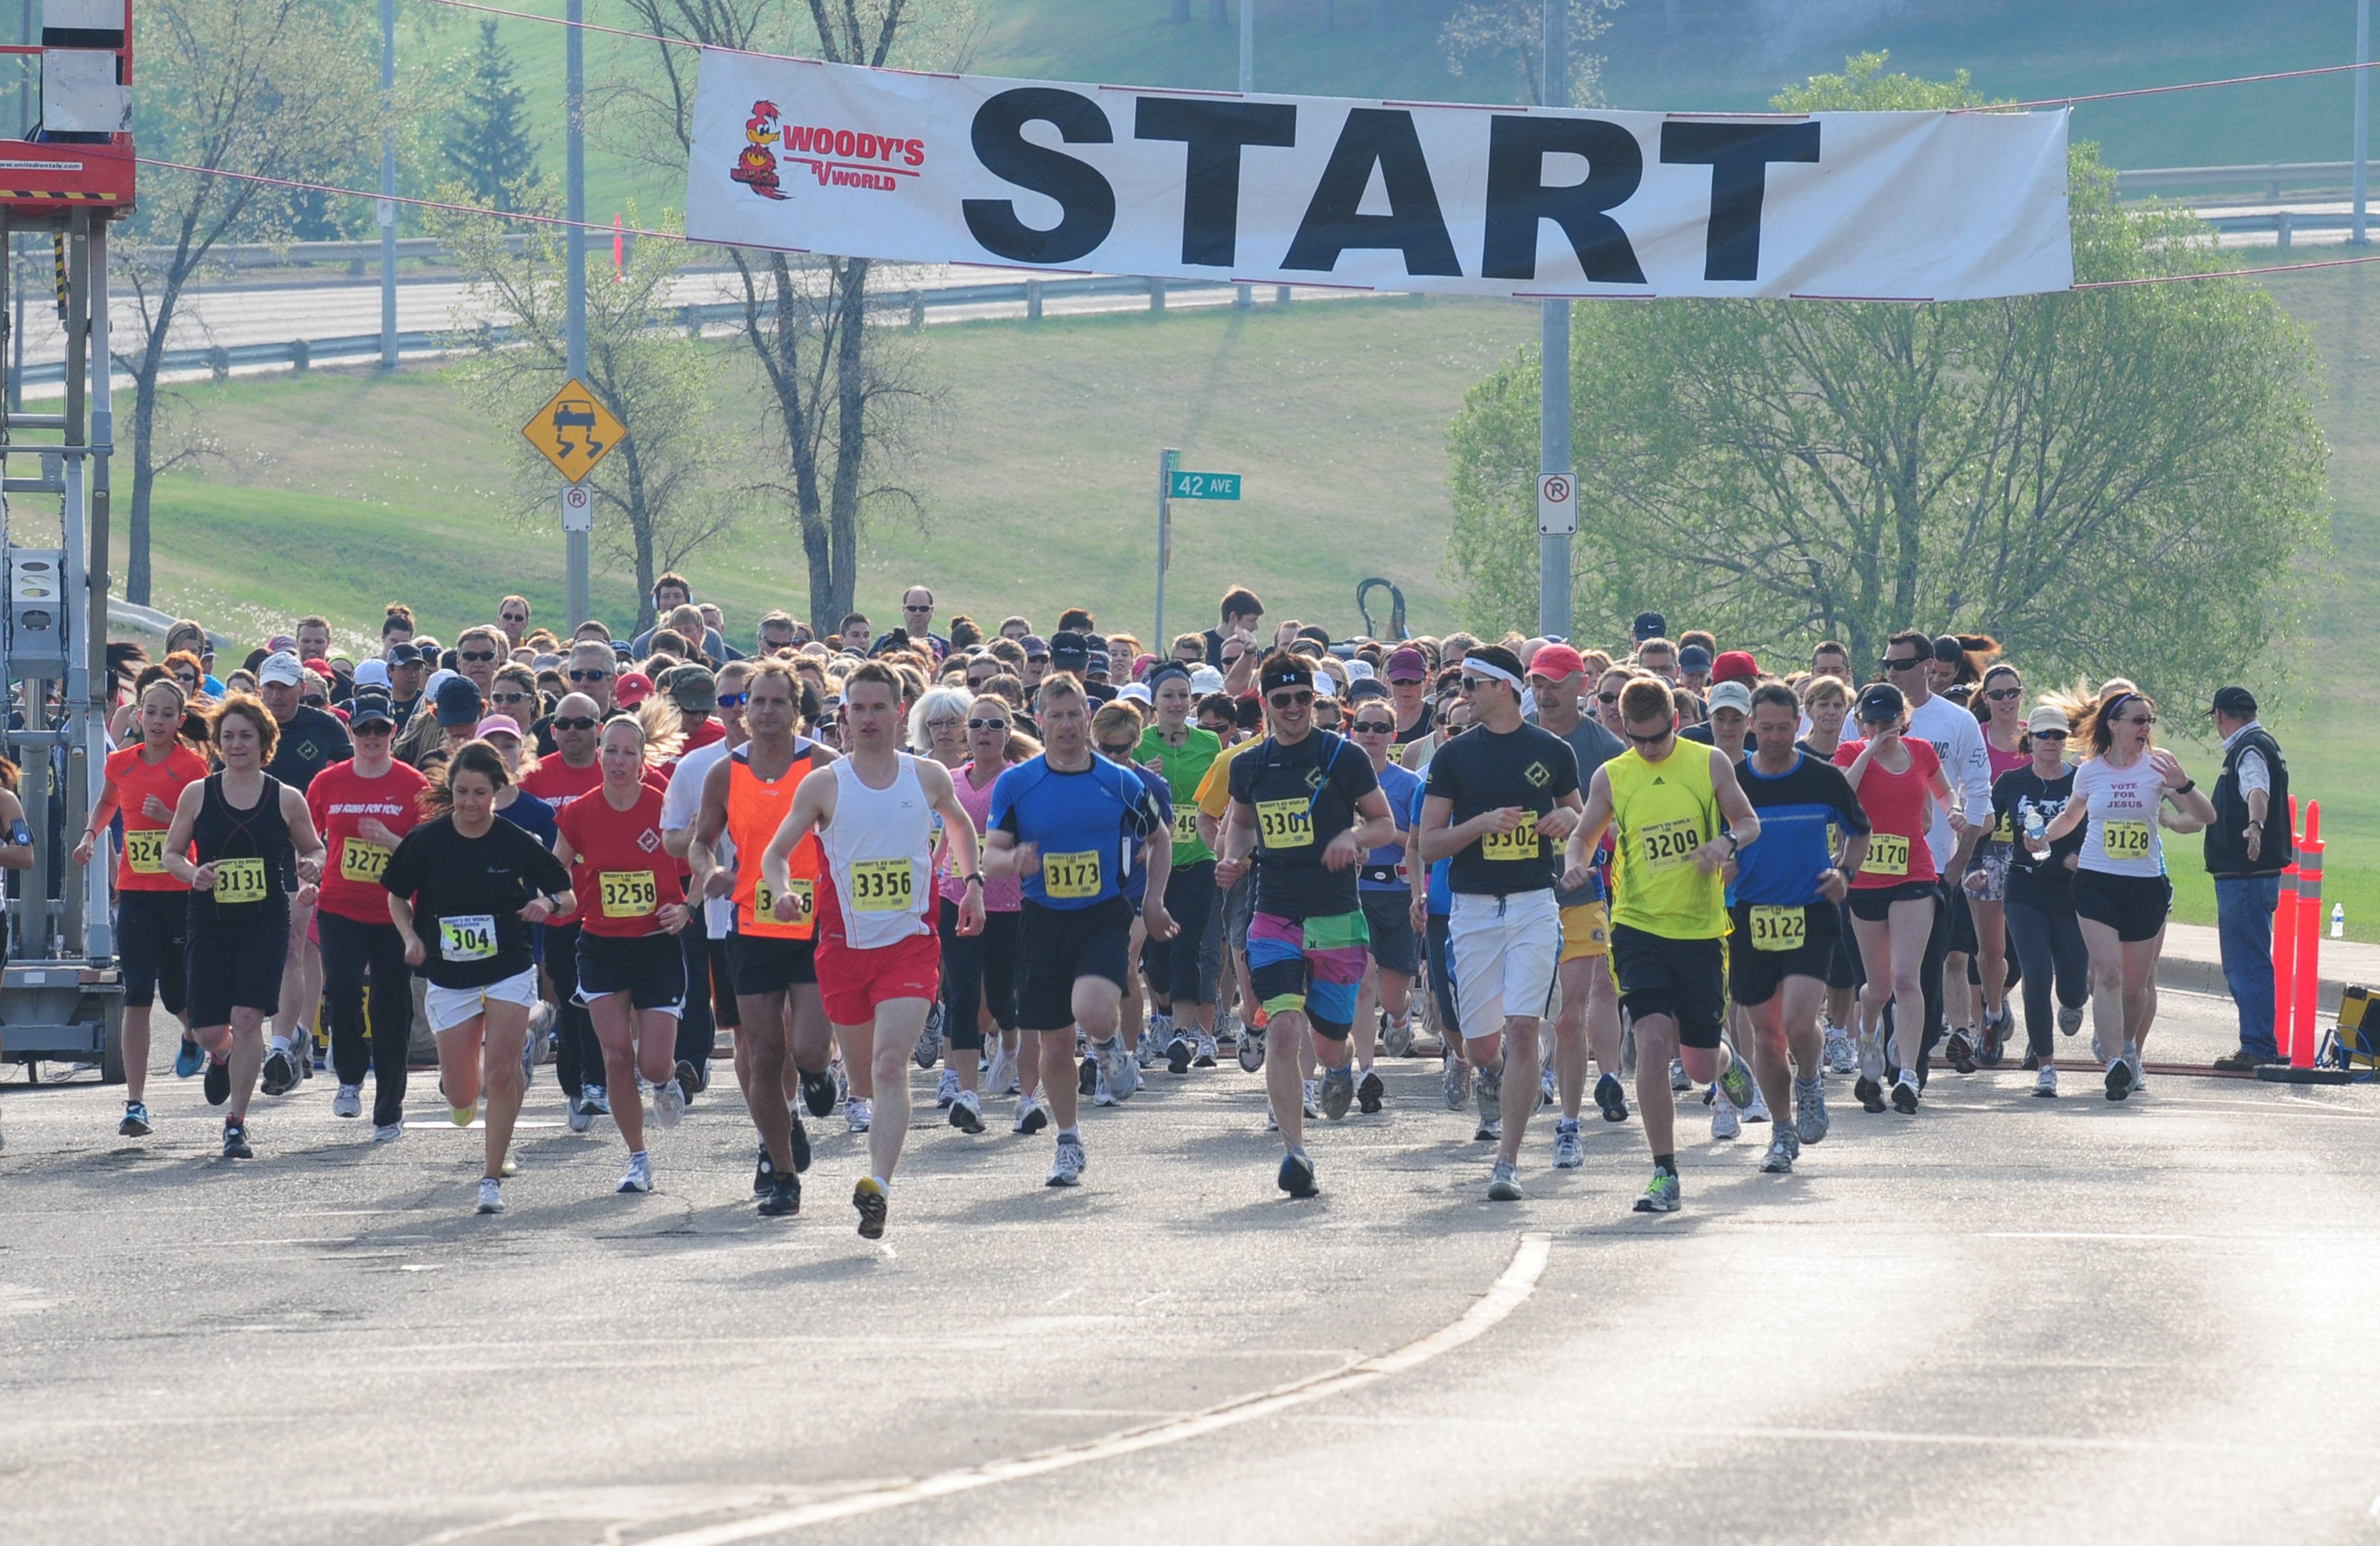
(342, 799)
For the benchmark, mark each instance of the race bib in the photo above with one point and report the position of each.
(1780, 928)
(1185, 824)
(361, 862)
(1521, 842)
(145, 851)
(239, 880)
(2006, 831)
(1071, 876)
(1664, 845)
(1887, 853)
(880, 885)
(2125, 839)
(1285, 824)
(629, 893)
(764, 902)
(470, 937)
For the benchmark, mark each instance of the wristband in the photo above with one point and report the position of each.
(974, 879)
(2187, 785)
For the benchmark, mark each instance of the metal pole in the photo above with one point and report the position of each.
(97, 922)
(2362, 113)
(1243, 296)
(388, 185)
(575, 176)
(1165, 464)
(1553, 402)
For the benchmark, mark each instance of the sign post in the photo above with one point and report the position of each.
(1165, 460)
(578, 508)
(574, 432)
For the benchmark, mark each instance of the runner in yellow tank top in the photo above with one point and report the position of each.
(1665, 799)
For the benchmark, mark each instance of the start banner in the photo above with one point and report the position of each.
(1446, 199)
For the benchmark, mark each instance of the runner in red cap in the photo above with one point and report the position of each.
(631, 689)
(1735, 665)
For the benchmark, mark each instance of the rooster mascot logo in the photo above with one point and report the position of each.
(756, 168)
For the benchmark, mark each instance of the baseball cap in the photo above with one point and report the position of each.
(2049, 717)
(1735, 665)
(692, 688)
(1650, 625)
(1555, 661)
(1140, 664)
(1359, 670)
(404, 655)
(498, 724)
(371, 706)
(1367, 687)
(1036, 647)
(1134, 692)
(1205, 680)
(1881, 704)
(631, 689)
(1408, 664)
(373, 674)
(281, 668)
(1729, 694)
(280, 641)
(1694, 657)
(1098, 661)
(458, 701)
(1069, 651)
(2238, 701)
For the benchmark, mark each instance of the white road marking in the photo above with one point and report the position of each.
(1506, 1295)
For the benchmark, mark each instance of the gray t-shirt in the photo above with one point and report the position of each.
(1594, 746)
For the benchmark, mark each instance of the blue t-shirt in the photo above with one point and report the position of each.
(1089, 825)
(1379, 871)
(1797, 809)
(1441, 886)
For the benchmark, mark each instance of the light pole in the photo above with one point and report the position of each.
(1242, 296)
(1553, 402)
(574, 102)
(2363, 112)
(388, 185)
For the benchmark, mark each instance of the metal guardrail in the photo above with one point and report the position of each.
(2271, 177)
(2284, 223)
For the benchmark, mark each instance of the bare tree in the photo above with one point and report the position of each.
(842, 394)
(1512, 33)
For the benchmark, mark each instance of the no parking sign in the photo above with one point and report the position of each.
(1557, 505)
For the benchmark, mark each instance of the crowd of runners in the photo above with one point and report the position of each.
(1056, 867)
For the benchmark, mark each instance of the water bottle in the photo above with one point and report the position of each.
(2338, 919)
(2035, 830)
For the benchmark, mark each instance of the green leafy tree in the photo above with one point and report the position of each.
(2125, 480)
(1492, 36)
(486, 145)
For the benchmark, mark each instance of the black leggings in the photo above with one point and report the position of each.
(1171, 965)
(349, 948)
(975, 968)
(696, 1032)
(2049, 943)
(577, 1056)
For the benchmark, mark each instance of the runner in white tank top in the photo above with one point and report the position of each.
(880, 851)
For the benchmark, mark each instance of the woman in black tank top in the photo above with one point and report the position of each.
(256, 849)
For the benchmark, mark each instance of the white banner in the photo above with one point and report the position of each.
(1449, 200)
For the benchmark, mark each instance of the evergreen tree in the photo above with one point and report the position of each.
(488, 144)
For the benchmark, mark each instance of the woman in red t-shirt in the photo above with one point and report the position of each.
(143, 781)
(364, 808)
(631, 970)
(1894, 895)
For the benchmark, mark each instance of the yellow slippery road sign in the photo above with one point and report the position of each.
(575, 431)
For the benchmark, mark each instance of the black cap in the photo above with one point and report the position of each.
(1650, 625)
(1368, 687)
(2238, 701)
(404, 655)
(458, 701)
(1694, 657)
(1881, 704)
(1069, 651)
(370, 703)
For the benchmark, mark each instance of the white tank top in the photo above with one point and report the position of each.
(879, 852)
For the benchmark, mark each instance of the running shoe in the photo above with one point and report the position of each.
(1369, 1092)
(2044, 1083)
(1338, 1091)
(1086, 1077)
(2069, 1019)
(1504, 1182)
(1397, 1036)
(2133, 1056)
(799, 1141)
(1660, 1194)
(235, 1140)
(946, 1089)
(492, 1196)
(1115, 1060)
(188, 1059)
(1490, 1085)
(1871, 1054)
(1810, 1118)
(669, 1102)
(1611, 1098)
(2030, 1062)
(598, 1097)
(1101, 1093)
(1959, 1051)
(2119, 1079)
(1546, 1093)
(855, 1113)
(135, 1120)
(1759, 1110)
(1068, 1169)
(842, 1080)
(1001, 1078)
(1144, 1051)
(1905, 1093)
(1679, 1083)
(1784, 1150)
(1030, 1117)
(688, 1079)
(1456, 1077)
(1296, 1175)
(1205, 1058)
(1842, 1056)
(280, 1072)
(929, 1045)
(640, 1174)
(1251, 1051)
(1158, 1032)
(1737, 1084)
(967, 1112)
(1995, 1038)
(1726, 1122)
(762, 1171)
(1568, 1154)
(867, 1197)
(818, 1092)
(461, 1115)
(1313, 1099)
(582, 1113)
(785, 1196)
(1178, 1054)
(1871, 1095)
(348, 1102)
(388, 1132)
(509, 1166)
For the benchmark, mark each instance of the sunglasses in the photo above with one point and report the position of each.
(1650, 739)
(315, 700)
(2049, 735)
(576, 722)
(514, 616)
(477, 656)
(986, 724)
(2138, 720)
(508, 697)
(734, 700)
(1888, 663)
(2002, 695)
(1121, 750)
(927, 607)
(590, 676)
(1607, 697)
(827, 724)
(1374, 727)
(187, 680)
(375, 728)
(1288, 700)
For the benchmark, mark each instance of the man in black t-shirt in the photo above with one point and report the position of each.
(1502, 800)
(1307, 806)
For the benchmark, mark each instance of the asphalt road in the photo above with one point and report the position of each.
(2004, 1318)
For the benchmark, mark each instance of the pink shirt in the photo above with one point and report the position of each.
(998, 896)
